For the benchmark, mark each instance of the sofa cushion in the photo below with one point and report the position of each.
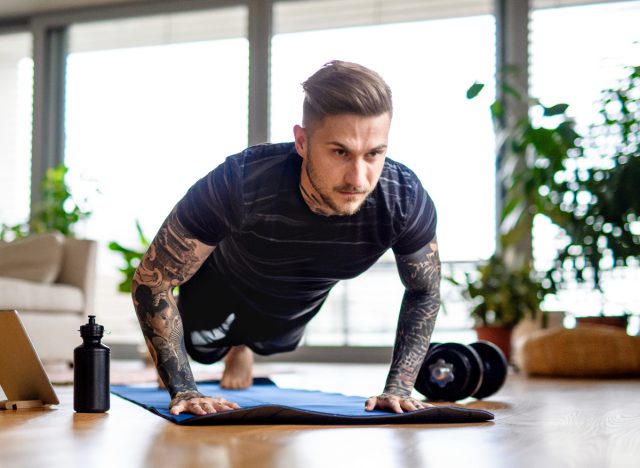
(37, 258)
(29, 296)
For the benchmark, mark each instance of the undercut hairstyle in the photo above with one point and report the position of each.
(344, 88)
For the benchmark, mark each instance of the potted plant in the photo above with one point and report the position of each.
(598, 191)
(501, 297)
(56, 211)
(506, 289)
(586, 185)
(531, 151)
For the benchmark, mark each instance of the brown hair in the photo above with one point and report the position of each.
(344, 88)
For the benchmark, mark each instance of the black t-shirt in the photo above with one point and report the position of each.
(273, 252)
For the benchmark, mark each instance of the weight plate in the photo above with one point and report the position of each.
(451, 372)
(422, 374)
(495, 368)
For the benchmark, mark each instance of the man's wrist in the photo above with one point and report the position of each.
(185, 395)
(396, 391)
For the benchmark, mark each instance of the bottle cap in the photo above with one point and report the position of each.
(91, 329)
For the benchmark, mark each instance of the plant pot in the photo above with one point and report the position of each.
(500, 336)
(617, 321)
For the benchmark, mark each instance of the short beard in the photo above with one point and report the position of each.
(335, 210)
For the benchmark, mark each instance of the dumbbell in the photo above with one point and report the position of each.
(454, 371)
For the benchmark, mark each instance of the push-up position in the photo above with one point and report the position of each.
(257, 244)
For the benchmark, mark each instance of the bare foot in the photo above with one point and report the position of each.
(238, 368)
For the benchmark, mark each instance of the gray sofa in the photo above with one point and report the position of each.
(50, 280)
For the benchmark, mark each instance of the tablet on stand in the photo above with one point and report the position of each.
(22, 376)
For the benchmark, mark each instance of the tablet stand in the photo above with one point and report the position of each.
(20, 404)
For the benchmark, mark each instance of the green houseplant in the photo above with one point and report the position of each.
(600, 192)
(506, 289)
(532, 151)
(56, 211)
(586, 185)
(131, 257)
(501, 296)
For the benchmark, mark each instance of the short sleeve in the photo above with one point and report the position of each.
(420, 227)
(212, 208)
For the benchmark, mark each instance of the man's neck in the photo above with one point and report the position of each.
(313, 201)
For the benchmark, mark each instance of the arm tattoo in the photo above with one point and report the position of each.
(173, 257)
(420, 274)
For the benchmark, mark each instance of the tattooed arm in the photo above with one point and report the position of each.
(172, 258)
(420, 274)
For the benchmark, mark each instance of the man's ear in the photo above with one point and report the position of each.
(300, 136)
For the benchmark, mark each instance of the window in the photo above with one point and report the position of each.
(446, 139)
(153, 104)
(16, 96)
(575, 53)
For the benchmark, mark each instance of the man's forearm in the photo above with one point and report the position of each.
(415, 326)
(420, 274)
(172, 258)
(162, 328)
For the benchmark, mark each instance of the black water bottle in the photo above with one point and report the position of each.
(91, 370)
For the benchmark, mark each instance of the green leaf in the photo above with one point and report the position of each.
(143, 239)
(474, 90)
(116, 247)
(497, 110)
(555, 110)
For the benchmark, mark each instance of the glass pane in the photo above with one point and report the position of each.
(16, 96)
(575, 53)
(445, 138)
(145, 122)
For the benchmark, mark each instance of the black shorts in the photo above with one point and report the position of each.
(215, 319)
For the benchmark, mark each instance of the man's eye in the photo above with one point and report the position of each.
(340, 152)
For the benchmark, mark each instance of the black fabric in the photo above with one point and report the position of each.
(205, 303)
(274, 257)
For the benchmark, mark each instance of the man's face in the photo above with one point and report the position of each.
(342, 159)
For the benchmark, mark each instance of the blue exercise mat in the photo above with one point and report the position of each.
(266, 403)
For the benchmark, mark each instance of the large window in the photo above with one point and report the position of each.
(16, 97)
(446, 139)
(575, 53)
(153, 104)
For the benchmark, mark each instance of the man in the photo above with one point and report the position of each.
(258, 243)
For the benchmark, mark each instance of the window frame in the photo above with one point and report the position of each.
(47, 134)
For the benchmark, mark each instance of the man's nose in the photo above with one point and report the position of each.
(356, 175)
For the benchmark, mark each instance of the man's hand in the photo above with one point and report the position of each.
(420, 275)
(394, 403)
(196, 403)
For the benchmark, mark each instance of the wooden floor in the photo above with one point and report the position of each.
(539, 423)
